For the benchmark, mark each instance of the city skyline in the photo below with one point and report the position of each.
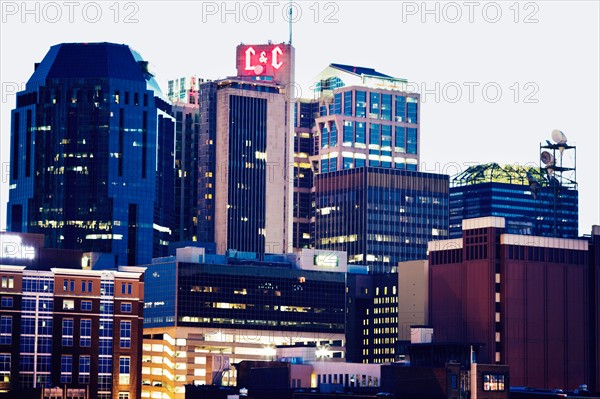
(558, 75)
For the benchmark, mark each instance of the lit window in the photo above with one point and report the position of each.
(493, 382)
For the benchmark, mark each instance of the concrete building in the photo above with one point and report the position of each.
(249, 202)
(525, 297)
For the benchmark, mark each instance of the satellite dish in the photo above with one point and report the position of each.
(547, 158)
(559, 137)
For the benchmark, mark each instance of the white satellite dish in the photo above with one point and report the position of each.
(547, 158)
(559, 137)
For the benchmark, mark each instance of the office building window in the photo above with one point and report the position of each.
(67, 332)
(84, 369)
(68, 304)
(8, 282)
(5, 330)
(361, 104)
(86, 305)
(6, 302)
(4, 367)
(66, 369)
(125, 334)
(124, 367)
(85, 333)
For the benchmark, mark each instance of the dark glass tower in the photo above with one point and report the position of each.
(380, 216)
(84, 167)
(530, 203)
(183, 93)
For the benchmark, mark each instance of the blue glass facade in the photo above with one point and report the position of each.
(530, 203)
(364, 126)
(84, 152)
(380, 216)
(231, 293)
(525, 213)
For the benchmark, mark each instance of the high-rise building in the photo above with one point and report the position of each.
(205, 312)
(184, 95)
(366, 118)
(530, 203)
(380, 216)
(370, 200)
(91, 150)
(66, 331)
(305, 114)
(247, 141)
(524, 297)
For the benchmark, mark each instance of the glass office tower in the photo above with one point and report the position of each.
(90, 152)
(380, 216)
(530, 203)
(370, 200)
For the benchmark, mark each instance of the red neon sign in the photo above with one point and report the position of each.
(261, 60)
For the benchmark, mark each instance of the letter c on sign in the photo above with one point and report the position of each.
(274, 56)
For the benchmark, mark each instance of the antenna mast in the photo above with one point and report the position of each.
(290, 22)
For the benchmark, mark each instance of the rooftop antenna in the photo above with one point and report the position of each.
(290, 21)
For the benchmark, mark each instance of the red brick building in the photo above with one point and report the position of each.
(527, 298)
(68, 327)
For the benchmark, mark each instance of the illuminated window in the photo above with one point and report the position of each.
(493, 382)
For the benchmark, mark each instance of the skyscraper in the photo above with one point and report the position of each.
(305, 113)
(521, 194)
(245, 179)
(90, 153)
(370, 199)
(184, 94)
(380, 216)
(366, 118)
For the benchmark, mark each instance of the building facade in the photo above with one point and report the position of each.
(305, 114)
(61, 326)
(380, 216)
(530, 203)
(366, 118)
(372, 321)
(184, 95)
(524, 297)
(85, 136)
(245, 182)
(205, 312)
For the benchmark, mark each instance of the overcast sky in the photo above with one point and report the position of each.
(495, 77)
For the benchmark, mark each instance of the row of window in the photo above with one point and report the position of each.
(104, 367)
(85, 332)
(380, 106)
